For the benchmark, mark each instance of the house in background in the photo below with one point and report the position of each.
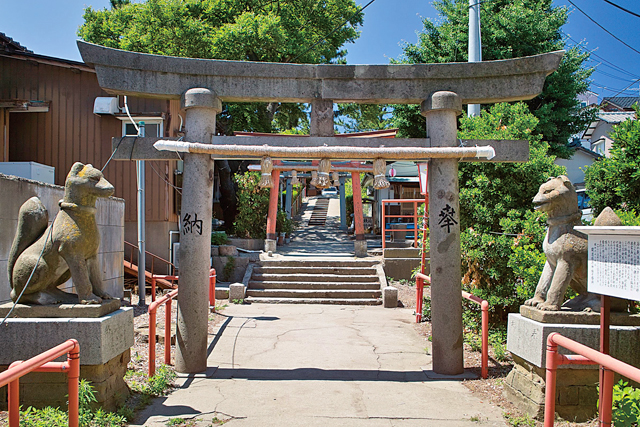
(47, 116)
(618, 103)
(598, 131)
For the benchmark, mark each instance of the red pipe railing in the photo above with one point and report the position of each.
(43, 363)
(133, 249)
(415, 230)
(153, 308)
(484, 307)
(585, 356)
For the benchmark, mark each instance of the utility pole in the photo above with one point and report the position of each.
(475, 45)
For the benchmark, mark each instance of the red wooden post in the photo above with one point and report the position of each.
(384, 225)
(273, 205)
(153, 288)
(357, 205)
(212, 289)
(415, 224)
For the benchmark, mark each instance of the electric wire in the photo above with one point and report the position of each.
(165, 178)
(603, 28)
(622, 8)
(592, 53)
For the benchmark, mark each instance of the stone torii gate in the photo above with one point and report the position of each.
(202, 85)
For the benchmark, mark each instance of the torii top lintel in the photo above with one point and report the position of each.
(166, 77)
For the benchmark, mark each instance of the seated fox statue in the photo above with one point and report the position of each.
(44, 257)
(566, 250)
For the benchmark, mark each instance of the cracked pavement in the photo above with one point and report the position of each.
(301, 365)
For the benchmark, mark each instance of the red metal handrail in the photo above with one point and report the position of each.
(585, 356)
(43, 363)
(166, 299)
(484, 307)
(414, 216)
(172, 268)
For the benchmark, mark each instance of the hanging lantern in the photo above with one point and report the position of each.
(294, 178)
(314, 178)
(379, 170)
(324, 167)
(266, 167)
(336, 179)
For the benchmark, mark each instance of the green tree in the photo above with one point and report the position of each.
(615, 181)
(501, 234)
(509, 30)
(246, 30)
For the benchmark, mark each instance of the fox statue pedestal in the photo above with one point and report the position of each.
(105, 342)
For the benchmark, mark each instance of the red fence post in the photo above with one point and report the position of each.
(550, 383)
(73, 379)
(14, 403)
(419, 298)
(212, 289)
(152, 341)
(606, 397)
(484, 306)
(167, 333)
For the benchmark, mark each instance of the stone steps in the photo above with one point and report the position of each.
(318, 270)
(315, 293)
(256, 284)
(334, 301)
(303, 277)
(315, 281)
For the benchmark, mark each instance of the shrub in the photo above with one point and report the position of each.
(626, 405)
(219, 238)
(253, 206)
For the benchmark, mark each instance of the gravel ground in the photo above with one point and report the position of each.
(491, 388)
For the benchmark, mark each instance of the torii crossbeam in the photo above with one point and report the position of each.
(440, 89)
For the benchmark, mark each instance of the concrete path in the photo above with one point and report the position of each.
(297, 365)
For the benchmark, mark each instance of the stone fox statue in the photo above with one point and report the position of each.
(566, 250)
(69, 246)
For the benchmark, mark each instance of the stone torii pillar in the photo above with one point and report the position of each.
(441, 110)
(201, 105)
(343, 205)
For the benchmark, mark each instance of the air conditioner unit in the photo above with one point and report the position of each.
(106, 105)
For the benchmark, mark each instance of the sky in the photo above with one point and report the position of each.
(49, 27)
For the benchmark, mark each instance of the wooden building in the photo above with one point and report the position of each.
(47, 116)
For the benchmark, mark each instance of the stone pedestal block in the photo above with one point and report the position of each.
(360, 248)
(105, 344)
(269, 245)
(576, 387)
(236, 291)
(390, 297)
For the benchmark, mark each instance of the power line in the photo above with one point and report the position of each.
(592, 53)
(604, 29)
(622, 8)
(331, 32)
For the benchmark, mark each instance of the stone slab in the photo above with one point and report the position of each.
(527, 338)
(60, 310)
(578, 317)
(401, 253)
(240, 81)
(101, 339)
(402, 268)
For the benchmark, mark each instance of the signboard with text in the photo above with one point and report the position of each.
(614, 261)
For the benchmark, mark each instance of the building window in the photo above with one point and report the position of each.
(152, 127)
(598, 147)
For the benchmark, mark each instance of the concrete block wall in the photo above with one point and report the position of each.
(109, 216)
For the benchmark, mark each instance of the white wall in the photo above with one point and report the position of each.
(576, 165)
(109, 216)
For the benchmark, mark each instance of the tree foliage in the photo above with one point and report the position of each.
(615, 181)
(246, 30)
(501, 234)
(509, 30)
